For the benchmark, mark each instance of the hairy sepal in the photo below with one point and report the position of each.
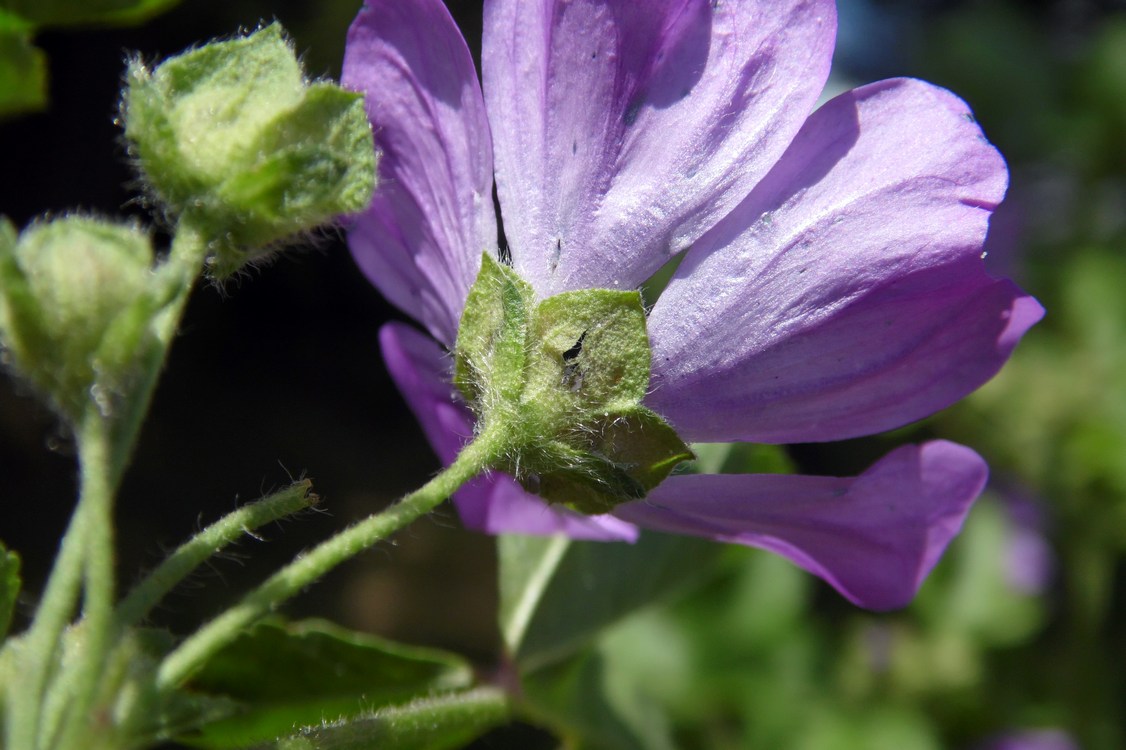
(233, 138)
(561, 382)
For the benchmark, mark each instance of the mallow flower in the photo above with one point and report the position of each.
(831, 282)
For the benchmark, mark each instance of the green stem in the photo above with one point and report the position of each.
(179, 665)
(180, 270)
(43, 638)
(205, 544)
(103, 459)
(436, 721)
(74, 691)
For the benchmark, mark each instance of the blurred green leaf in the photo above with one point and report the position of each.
(1100, 81)
(596, 707)
(11, 23)
(974, 593)
(438, 723)
(699, 665)
(23, 70)
(556, 595)
(300, 674)
(653, 654)
(768, 597)
(887, 728)
(527, 565)
(9, 587)
(754, 654)
(740, 458)
(992, 55)
(1062, 399)
(23, 66)
(78, 12)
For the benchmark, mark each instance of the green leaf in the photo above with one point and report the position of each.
(299, 674)
(595, 707)
(79, 12)
(9, 587)
(23, 71)
(437, 723)
(557, 595)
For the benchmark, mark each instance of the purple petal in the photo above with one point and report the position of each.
(494, 504)
(874, 537)
(432, 216)
(422, 371)
(624, 130)
(847, 294)
(498, 505)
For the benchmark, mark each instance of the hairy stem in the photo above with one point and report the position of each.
(43, 638)
(75, 689)
(421, 723)
(140, 601)
(181, 269)
(307, 568)
(86, 551)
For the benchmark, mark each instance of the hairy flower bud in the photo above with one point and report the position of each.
(232, 136)
(76, 295)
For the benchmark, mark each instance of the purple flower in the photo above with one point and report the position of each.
(831, 284)
(1029, 562)
(1032, 739)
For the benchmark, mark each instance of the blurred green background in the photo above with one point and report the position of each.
(1022, 627)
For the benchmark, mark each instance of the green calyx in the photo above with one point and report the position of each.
(76, 299)
(232, 137)
(560, 383)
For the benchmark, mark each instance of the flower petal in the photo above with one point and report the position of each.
(494, 503)
(874, 537)
(432, 216)
(847, 294)
(625, 130)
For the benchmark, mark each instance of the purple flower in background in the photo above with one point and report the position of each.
(1029, 562)
(1032, 739)
(831, 286)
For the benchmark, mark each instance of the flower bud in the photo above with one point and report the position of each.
(75, 303)
(233, 137)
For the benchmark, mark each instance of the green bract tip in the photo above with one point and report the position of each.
(232, 138)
